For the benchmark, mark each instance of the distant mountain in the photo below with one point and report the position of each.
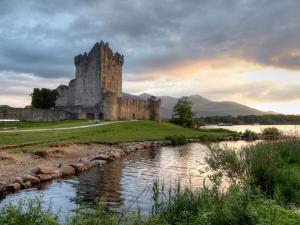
(202, 107)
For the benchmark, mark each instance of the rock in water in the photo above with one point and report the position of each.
(67, 171)
(57, 174)
(34, 180)
(79, 167)
(13, 187)
(43, 170)
(45, 177)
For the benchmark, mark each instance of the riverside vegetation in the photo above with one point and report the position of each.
(265, 187)
(238, 205)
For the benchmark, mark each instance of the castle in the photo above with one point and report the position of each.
(96, 92)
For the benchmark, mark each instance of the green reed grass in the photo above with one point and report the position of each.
(272, 167)
(170, 206)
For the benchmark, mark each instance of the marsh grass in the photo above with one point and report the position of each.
(27, 213)
(271, 167)
(170, 206)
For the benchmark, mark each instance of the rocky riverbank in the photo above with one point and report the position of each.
(23, 170)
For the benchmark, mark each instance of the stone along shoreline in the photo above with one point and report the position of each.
(32, 170)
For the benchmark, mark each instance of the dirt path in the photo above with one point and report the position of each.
(61, 128)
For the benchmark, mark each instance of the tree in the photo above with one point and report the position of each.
(43, 98)
(182, 112)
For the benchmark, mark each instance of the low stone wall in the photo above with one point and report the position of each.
(32, 114)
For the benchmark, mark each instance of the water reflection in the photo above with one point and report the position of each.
(121, 181)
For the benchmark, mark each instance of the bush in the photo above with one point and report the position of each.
(177, 139)
(250, 135)
(271, 133)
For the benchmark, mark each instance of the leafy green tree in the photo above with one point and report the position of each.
(182, 113)
(43, 98)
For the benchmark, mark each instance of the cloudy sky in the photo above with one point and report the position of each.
(240, 50)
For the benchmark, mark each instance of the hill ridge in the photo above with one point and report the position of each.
(202, 106)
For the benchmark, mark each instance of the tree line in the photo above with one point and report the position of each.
(272, 119)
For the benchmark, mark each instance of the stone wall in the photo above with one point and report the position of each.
(128, 109)
(117, 108)
(66, 94)
(31, 114)
(82, 112)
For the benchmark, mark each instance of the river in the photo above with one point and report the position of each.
(121, 181)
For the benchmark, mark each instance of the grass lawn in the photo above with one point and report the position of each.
(50, 124)
(111, 133)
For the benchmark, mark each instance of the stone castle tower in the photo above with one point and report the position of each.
(96, 92)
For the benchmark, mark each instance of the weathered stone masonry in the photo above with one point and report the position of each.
(32, 114)
(96, 93)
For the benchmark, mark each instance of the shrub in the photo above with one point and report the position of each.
(177, 139)
(271, 133)
(250, 135)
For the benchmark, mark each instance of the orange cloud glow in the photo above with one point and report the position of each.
(220, 66)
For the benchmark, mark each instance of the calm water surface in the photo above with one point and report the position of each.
(286, 129)
(121, 181)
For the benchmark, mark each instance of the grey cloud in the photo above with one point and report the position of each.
(42, 37)
(22, 84)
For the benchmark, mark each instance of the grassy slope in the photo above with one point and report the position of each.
(118, 132)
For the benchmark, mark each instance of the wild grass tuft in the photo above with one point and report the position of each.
(177, 139)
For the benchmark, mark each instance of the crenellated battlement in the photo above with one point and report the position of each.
(100, 50)
(81, 59)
